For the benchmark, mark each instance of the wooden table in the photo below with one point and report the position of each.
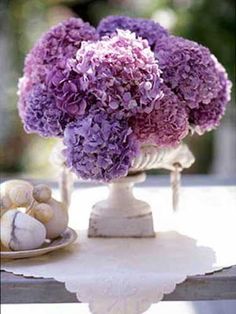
(220, 285)
(216, 286)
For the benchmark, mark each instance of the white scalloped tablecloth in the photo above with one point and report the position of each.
(126, 276)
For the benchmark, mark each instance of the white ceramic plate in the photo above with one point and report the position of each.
(66, 238)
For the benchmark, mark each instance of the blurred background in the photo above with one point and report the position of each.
(209, 22)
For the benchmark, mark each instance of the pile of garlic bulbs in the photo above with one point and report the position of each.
(29, 215)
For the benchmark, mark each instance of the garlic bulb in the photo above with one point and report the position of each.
(21, 232)
(42, 193)
(59, 222)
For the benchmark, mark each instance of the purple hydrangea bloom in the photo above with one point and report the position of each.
(41, 114)
(55, 47)
(24, 88)
(49, 54)
(188, 70)
(120, 72)
(110, 95)
(100, 147)
(147, 29)
(167, 124)
(208, 116)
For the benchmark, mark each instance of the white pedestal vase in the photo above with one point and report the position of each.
(121, 214)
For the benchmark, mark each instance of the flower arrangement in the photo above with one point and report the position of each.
(110, 90)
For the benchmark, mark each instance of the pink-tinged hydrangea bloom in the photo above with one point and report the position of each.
(188, 70)
(147, 29)
(49, 54)
(100, 147)
(41, 114)
(118, 71)
(167, 124)
(208, 116)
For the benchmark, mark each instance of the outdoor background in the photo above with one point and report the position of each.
(210, 22)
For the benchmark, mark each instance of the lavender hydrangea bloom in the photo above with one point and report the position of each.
(120, 72)
(188, 70)
(49, 55)
(41, 114)
(55, 47)
(166, 126)
(24, 88)
(208, 116)
(100, 147)
(144, 28)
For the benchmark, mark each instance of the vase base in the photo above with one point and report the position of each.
(121, 227)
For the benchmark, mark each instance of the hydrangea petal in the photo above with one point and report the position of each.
(166, 125)
(147, 29)
(100, 147)
(113, 72)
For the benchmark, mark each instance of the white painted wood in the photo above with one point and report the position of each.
(217, 286)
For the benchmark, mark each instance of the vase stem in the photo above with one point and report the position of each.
(121, 214)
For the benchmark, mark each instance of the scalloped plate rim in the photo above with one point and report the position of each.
(43, 250)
